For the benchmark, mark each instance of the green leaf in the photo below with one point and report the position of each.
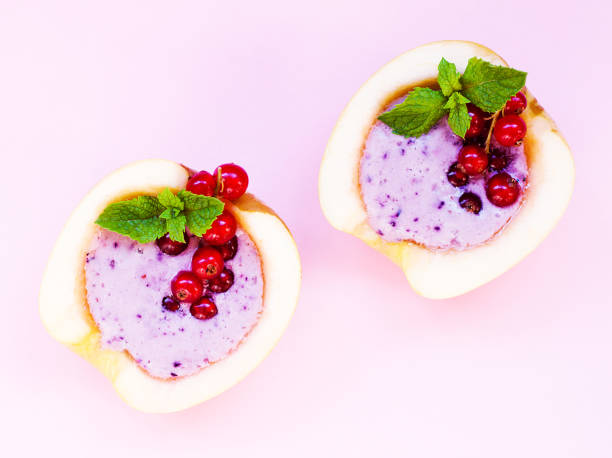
(490, 86)
(448, 77)
(170, 213)
(417, 114)
(200, 211)
(137, 218)
(176, 228)
(458, 117)
(455, 100)
(169, 200)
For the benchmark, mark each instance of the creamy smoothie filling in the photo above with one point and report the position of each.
(408, 197)
(126, 282)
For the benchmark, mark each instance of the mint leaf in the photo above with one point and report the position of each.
(137, 218)
(200, 211)
(169, 200)
(176, 228)
(448, 77)
(455, 100)
(417, 114)
(170, 213)
(490, 86)
(458, 117)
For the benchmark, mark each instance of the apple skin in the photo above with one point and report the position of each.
(65, 313)
(439, 275)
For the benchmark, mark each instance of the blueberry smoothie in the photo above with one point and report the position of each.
(409, 194)
(126, 283)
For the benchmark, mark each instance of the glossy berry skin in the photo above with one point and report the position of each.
(503, 190)
(170, 304)
(470, 202)
(169, 246)
(498, 160)
(457, 176)
(473, 159)
(516, 105)
(186, 286)
(509, 130)
(477, 123)
(207, 263)
(202, 183)
(229, 249)
(222, 230)
(223, 282)
(234, 181)
(203, 309)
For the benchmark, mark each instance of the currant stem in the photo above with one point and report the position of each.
(219, 185)
(493, 120)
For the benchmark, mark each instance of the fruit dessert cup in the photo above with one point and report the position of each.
(446, 163)
(175, 284)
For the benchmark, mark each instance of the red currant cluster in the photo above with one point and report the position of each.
(502, 190)
(218, 244)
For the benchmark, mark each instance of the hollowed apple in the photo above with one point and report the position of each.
(63, 298)
(444, 274)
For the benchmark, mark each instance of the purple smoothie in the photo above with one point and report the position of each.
(126, 282)
(408, 197)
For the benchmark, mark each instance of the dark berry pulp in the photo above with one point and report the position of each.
(203, 309)
(171, 247)
(222, 282)
(457, 176)
(470, 202)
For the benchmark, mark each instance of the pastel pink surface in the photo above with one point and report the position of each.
(519, 367)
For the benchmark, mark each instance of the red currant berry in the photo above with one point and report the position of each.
(169, 246)
(516, 105)
(222, 230)
(202, 183)
(234, 181)
(223, 282)
(473, 159)
(203, 309)
(477, 123)
(228, 250)
(509, 130)
(503, 190)
(498, 160)
(207, 263)
(470, 202)
(457, 176)
(186, 286)
(170, 303)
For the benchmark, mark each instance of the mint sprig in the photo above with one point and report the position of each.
(146, 218)
(485, 85)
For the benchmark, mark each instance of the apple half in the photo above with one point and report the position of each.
(63, 297)
(447, 274)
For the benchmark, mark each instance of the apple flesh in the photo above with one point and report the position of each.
(65, 313)
(437, 274)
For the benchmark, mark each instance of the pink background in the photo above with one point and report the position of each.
(522, 367)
